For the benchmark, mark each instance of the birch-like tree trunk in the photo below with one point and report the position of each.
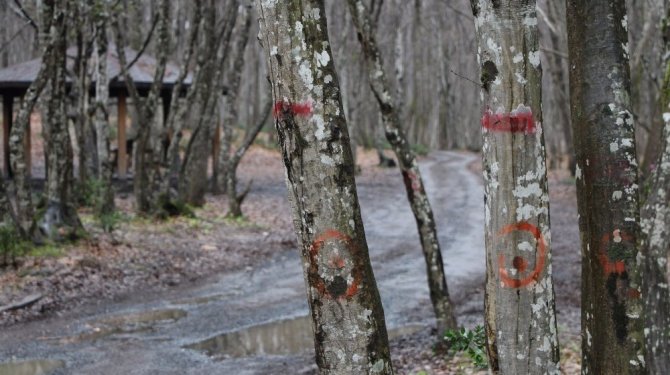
(414, 186)
(347, 315)
(59, 220)
(519, 303)
(18, 157)
(101, 120)
(607, 190)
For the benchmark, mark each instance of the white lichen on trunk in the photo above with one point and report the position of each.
(347, 316)
(520, 312)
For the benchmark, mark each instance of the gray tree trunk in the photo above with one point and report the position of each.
(18, 157)
(60, 220)
(607, 190)
(146, 193)
(655, 246)
(416, 193)
(235, 200)
(193, 175)
(520, 312)
(347, 315)
(230, 118)
(104, 158)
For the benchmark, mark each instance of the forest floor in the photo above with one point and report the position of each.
(182, 265)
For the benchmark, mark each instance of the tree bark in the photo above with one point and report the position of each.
(18, 157)
(416, 193)
(60, 220)
(104, 158)
(519, 302)
(230, 118)
(607, 190)
(655, 245)
(347, 315)
(234, 200)
(193, 175)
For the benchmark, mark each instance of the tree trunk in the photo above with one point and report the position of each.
(347, 315)
(234, 200)
(18, 157)
(60, 220)
(230, 118)
(146, 193)
(519, 302)
(105, 161)
(607, 190)
(416, 193)
(654, 245)
(193, 175)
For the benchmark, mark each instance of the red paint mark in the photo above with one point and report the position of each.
(337, 261)
(519, 263)
(412, 181)
(633, 293)
(518, 121)
(613, 266)
(282, 108)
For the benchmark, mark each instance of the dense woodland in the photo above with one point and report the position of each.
(162, 100)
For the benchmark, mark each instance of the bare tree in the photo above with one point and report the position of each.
(347, 315)
(18, 157)
(100, 108)
(145, 191)
(520, 312)
(416, 193)
(60, 219)
(607, 188)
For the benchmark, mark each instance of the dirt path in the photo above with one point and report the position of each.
(260, 309)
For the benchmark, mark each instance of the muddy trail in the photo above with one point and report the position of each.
(253, 321)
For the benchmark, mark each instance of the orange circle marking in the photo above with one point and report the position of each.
(337, 261)
(519, 263)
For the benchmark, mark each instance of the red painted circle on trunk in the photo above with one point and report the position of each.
(519, 263)
(337, 262)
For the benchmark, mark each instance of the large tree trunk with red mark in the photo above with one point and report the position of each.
(347, 315)
(416, 193)
(520, 312)
(607, 190)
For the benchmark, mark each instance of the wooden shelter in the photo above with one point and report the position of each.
(16, 79)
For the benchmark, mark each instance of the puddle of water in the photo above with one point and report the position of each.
(36, 367)
(127, 324)
(199, 300)
(290, 336)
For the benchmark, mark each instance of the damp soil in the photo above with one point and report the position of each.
(210, 295)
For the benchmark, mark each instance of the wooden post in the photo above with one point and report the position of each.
(122, 157)
(7, 103)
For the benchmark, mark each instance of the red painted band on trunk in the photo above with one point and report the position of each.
(282, 108)
(519, 263)
(338, 262)
(518, 121)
